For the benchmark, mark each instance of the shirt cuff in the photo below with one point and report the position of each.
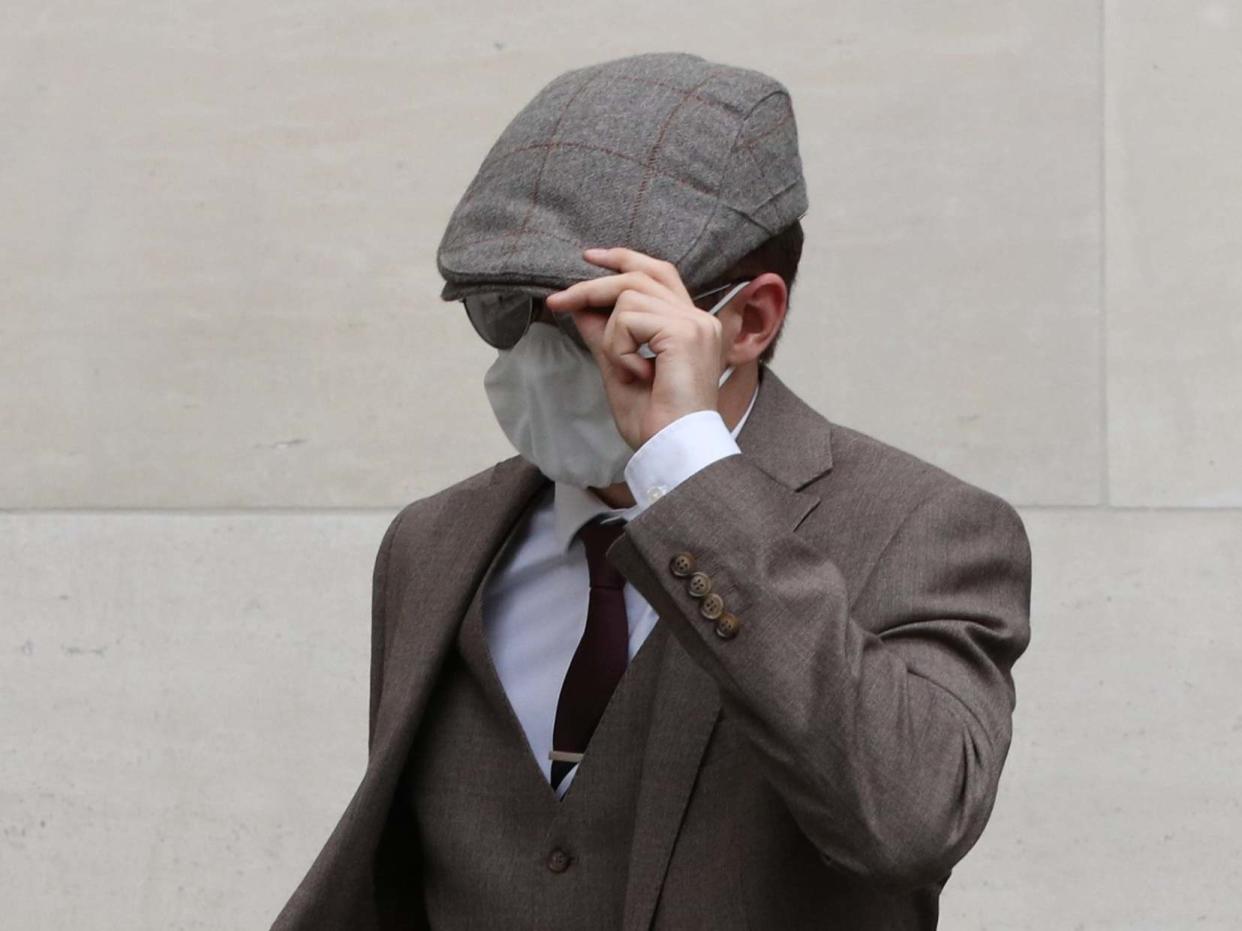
(676, 452)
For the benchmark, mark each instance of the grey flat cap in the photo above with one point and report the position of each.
(667, 153)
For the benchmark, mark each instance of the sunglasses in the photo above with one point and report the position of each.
(501, 318)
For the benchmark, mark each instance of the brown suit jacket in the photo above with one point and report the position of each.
(826, 766)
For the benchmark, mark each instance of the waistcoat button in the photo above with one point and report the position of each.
(558, 860)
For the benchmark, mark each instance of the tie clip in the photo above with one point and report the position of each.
(565, 756)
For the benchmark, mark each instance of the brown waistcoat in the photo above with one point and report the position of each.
(496, 843)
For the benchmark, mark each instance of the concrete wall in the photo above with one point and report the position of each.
(224, 366)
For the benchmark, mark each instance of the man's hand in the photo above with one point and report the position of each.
(650, 305)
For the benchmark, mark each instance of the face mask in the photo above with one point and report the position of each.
(548, 396)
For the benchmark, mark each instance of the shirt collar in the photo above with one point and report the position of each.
(573, 506)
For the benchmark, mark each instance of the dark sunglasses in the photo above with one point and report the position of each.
(502, 318)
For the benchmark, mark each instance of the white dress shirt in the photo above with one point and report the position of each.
(535, 605)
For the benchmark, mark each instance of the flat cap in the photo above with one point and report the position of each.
(667, 153)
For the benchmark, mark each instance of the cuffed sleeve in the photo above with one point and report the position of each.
(676, 452)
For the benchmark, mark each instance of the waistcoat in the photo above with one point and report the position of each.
(496, 846)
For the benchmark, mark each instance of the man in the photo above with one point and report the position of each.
(696, 657)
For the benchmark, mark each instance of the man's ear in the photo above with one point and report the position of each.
(762, 312)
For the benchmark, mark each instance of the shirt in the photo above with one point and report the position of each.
(535, 602)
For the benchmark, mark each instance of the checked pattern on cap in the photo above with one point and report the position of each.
(665, 153)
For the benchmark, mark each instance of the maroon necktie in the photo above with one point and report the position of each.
(602, 654)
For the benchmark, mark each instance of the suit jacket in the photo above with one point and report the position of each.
(834, 758)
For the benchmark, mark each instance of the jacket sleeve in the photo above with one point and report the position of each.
(881, 716)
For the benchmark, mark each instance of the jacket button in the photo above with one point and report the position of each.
(681, 565)
(712, 606)
(699, 585)
(558, 860)
(727, 626)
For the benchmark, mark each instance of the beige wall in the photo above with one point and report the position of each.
(224, 366)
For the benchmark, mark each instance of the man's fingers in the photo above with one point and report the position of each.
(630, 260)
(649, 302)
(604, 292)
(627, 368)
(639, 319)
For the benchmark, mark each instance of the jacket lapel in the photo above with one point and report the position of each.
(443, 569)
(471, 526)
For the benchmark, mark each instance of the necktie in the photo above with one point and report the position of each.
(602, 654)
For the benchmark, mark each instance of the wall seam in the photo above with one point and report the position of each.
(1105, 491)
